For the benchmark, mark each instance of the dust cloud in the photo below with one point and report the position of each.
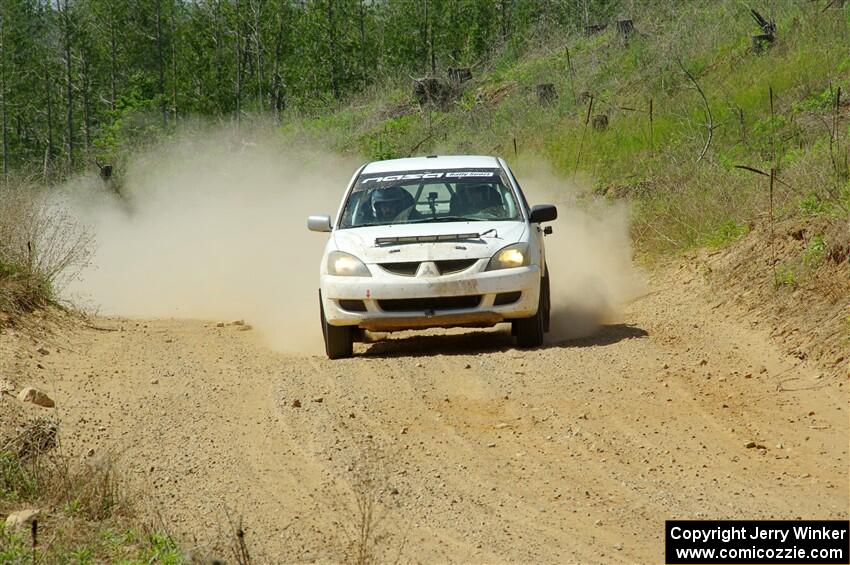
(592, 276)
(212, 225)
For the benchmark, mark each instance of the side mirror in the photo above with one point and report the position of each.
(543, 213)
(319, 223)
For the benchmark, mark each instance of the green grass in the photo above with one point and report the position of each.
(125, 547)
(726, 233)
(76, 525)
(815, 253)
(158, 549)
(785, 277)
(818, 205)
(13, 548)
(16, 483)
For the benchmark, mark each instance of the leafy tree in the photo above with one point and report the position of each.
(80, 78)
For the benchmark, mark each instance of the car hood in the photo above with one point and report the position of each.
(361, 241)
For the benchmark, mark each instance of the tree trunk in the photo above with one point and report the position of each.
(503, 20)
(48, 88)
(278, 99)
(431, 49)
(86, 107)
(425, 42)
(3, 97)
(332, 37)
(173, 67)
(160, 63)
(363, 78)
(258, 43)
(219, 78)
(113, 63)
(69, 85)
(238, 65)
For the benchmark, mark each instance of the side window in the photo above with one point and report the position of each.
(353, 212)
(519, 190)
(508, 200)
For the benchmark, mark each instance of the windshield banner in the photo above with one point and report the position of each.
(460, 175)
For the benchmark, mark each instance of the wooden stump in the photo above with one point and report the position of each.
(768, 26)
(105, 171)
(593, 29)
(431, 90)
(600, 122)
(625, 28)
(546, 93)
(459, 75)
(763, 42)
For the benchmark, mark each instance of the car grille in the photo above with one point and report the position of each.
(433, 303)
(455, 266)
(409, 268)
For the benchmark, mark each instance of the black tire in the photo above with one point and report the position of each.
(547, 303)
(339, 340)
(529, 331)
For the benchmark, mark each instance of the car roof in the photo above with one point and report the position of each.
(432, 162)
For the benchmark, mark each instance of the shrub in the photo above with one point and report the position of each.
(815, 252)
(86, 515)
(784, 277)
(41, 248)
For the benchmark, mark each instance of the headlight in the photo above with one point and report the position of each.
(515, 255)
(346, 264)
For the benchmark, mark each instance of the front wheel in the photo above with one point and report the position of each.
(529, 331)
(547, 303)
(339, 340)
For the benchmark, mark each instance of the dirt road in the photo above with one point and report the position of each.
(460, 447)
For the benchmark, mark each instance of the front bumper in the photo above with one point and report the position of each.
(371, 292)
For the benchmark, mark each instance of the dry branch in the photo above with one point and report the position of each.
(710, 124)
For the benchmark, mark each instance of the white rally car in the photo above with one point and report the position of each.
(425, 242)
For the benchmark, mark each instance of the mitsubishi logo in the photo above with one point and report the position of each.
(428, 269)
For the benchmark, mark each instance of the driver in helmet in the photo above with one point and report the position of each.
(481, 199)
(391, 203)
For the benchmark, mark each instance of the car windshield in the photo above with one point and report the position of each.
(452, 195)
